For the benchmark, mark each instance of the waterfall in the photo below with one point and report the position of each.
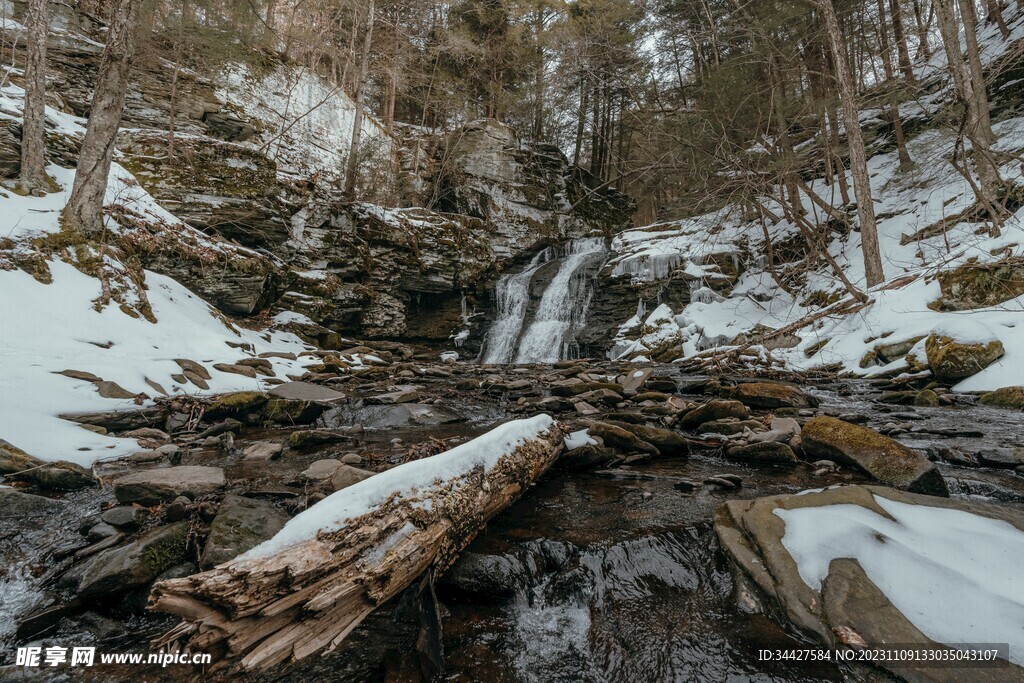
(513, 295)
(560, 313)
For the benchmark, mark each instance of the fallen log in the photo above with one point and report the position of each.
(304, 590)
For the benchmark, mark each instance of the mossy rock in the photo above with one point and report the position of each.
(238, 403)
(764, 453)
(979, 285)
(885, 459)
(769, 396)
(1006, 397)
(118, 570)
(953, 360)
(13, 459)
(292, 411)
(926, 398)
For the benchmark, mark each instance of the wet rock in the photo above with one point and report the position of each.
(729, 426)
(488, 576)
(146, 457)
(1006, 397)
(304, 438)
(568, 390)
(263, 450)
(685, 485)
(950, 359)
(120, 569)
(714, 410)
(405, 414)
(619, 438)
(722, 483)
(128, 517)
(30, 511)
(585, 458)
(400, 395)
(240, 524)
(121, 420)
(346, 475)
(233, 405)
(291, 411)
(13, 459)
(99, 532)
(633, 380)
(926, 398)
(305, 391)
(765, 453)
(665, 440)
(321, 470)
(56, 476)
(885, 459)
(1001, 457)
(177, 510)
(770, 396)
(159, 486)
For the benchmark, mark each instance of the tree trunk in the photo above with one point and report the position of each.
(858, 158)
(994, 15)
(538, 77)
(906, 163)
(923, 50)
(33, 129)
(581, 126)
(352, 164)
(306, 596)
(900, 34)
(84, 211)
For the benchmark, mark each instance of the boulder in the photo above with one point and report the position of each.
(633, 380)
(887, 460)
(769, 396)
(235, 404)
(263, 450)
(118, 570)
(321, 470)
(57, 476)
(240, 524)
(952, 360)
(13, 459)
(729, 426)
(714, 410)
(486, 576)
(835, 602)
(408, 394)
(305, 391)
(127, 517)
(980, 285)
(164, 485)
(620, 438)
(764, 453)
(28, 510)
(665, 440)
(1005, 397)
(302, 438)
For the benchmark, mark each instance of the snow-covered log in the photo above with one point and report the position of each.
(305, 589)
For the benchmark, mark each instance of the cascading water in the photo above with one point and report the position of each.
(561, 311)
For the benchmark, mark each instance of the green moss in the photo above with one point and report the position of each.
(165, 552)
(1006, 397)
(236, 403)
(926, 398)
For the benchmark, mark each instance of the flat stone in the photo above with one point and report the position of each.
(765, 453)
(240, 524)
(263, 450)
(164, 485)
(632, 380)
(714, 410)
(108, 389)
(80, 374)
(769, 396)
(1001, 457)
(57, 476)
(118, 570)
(321, 470)
(13, 459)
(305, 391)
(190, 366)
(125, 516)
(147, 433)
(235, 369)
(403, 395)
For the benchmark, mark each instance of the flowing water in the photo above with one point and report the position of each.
(559, 314)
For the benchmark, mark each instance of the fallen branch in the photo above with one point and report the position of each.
(307, 588)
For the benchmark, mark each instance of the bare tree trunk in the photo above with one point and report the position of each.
(858, 158)
(900, 34)
(923, 50)
(906, 163)
(33, 129)
(352, 165)
(994, 15)
(84, 211)
(581, 126)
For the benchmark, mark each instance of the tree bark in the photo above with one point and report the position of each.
(352, 163)
(873, 271)
(84, 211)
(264, 610)
(33, 129)
(906, 163)
(900, 34)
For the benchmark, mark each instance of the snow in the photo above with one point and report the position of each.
(403, 483)
(48, 328)
(579, 439)
(954, 575)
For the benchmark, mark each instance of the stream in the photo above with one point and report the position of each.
(596, 576)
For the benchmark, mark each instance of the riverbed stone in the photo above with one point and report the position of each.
(118, 570)
(305, 391)
(885, 459)
(127, 517)
(665, 440)
(235, 404)
(13, 459)
(57, 476)
(716, 409)
(163, 485)
(1005, 397)
(486, 576)
(241, 524)
(263, 450)
(729, 426)
(770, 396)
(764, 453)
(346, 475)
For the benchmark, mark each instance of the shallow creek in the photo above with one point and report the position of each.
(610, 577)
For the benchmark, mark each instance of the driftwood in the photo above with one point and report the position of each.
(257, 612)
